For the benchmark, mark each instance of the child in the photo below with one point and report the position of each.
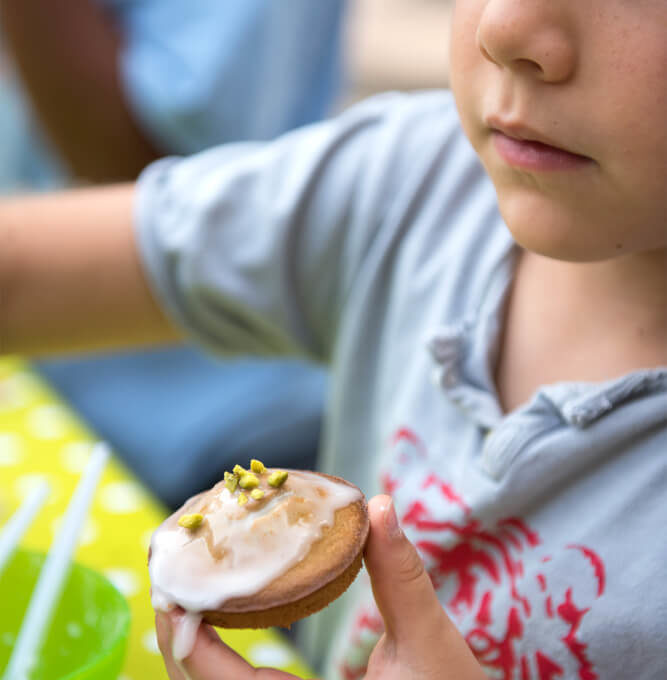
(497, 335)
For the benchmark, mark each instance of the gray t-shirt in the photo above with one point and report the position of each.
(373, 243)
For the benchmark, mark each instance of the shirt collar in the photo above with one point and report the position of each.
(465, 353)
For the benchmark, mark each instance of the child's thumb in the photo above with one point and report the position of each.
(402, 589)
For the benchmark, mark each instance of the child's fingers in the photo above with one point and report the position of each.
(164, 639)
(210, 658)
(402, 589)
(418, 634)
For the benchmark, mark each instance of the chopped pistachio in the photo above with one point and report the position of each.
(257, 494)
(231, 481)
(257, 466)
(277, 478)
(192, 521)
(239, 471)
(248, 481)
(243, 499)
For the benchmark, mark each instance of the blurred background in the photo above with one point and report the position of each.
(396, 45)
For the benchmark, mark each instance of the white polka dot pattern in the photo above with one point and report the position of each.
(75, 455)
(125, 580)
(149, 642)
(47, 422)
(267, 654)
(122, 498)
(11, 449)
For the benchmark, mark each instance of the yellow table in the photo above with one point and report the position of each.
(41, 437)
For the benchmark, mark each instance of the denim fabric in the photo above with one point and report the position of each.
(179, 418)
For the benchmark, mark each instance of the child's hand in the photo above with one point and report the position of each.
(210, 659)
(420, 642)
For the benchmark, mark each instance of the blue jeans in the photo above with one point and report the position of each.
(179, 418)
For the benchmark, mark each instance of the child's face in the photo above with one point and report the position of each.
(588, 77)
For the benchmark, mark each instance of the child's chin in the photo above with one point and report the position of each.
(566, 250)
(552, 234)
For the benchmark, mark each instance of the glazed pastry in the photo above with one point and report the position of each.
(263, 547)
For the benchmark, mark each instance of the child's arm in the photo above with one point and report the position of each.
(70, 277)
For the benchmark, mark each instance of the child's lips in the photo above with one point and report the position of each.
(531, 154)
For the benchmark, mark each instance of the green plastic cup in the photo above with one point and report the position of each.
(88, 635)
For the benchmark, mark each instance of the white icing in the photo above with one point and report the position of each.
(185, 633)
(252, 546)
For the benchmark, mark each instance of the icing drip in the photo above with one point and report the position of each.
(185, 633)
(238, 550)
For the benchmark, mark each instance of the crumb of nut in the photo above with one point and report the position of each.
(191, 522)
(243, 499)
(248, 481)
(257, 494)
(277, 478)
(231, 481)
(239, 471)
(257, 466)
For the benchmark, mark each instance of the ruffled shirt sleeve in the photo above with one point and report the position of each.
(256, 248)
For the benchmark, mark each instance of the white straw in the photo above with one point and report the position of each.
(56, 567)
(20, 521)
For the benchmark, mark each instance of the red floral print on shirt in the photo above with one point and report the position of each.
(493, 577)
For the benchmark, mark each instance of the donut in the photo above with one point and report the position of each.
(264, 547)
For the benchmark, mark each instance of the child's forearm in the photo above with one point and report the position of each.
(70, 277)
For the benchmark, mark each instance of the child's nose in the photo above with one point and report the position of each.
(536, 38)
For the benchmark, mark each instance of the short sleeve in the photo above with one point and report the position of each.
(209, 71)
(257, 247)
